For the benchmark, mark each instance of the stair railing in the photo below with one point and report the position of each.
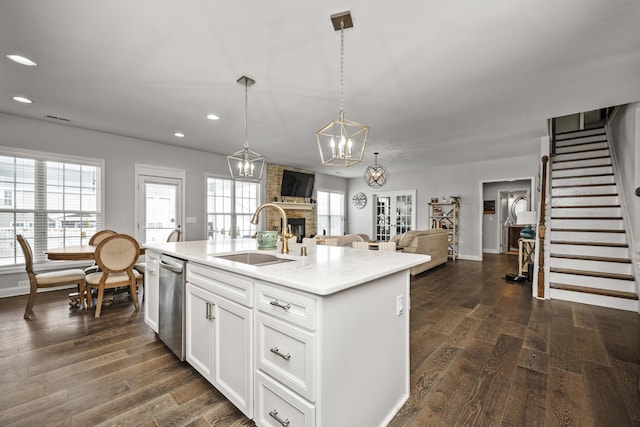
(542, 227)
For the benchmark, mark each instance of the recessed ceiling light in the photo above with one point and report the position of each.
(22, 60)
(179, 134)
(22, 99)
(212, 117)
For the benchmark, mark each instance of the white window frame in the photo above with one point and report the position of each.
(40, 211)
(234, 215)
(340, 226)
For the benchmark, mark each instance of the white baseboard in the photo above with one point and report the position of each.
(22, 290)
(491, 251)
(470, 257)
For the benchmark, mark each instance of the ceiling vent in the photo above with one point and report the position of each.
(62, 119)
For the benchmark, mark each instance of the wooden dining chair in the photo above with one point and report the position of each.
(115, 256)
(50, 279)
(175, 236)
(94, 241)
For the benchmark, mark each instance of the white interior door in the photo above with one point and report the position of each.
(159, 207)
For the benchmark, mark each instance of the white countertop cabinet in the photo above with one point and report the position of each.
(322, 341)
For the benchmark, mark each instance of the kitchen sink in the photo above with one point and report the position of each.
(253, 258)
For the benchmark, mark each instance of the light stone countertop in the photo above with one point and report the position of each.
(325, 269)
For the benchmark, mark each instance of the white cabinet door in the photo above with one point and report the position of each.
(219, 344)
(199, 330)
(151, 296)
(233, 374)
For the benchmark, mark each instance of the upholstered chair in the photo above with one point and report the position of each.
(48, 280)
(115, 256)
(360, 245)
(331, 242)
(387, 246)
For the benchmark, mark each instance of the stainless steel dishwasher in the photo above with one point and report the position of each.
(171, 300)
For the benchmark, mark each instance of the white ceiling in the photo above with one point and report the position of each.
(438, 82)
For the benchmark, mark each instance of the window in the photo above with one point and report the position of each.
(52, 201)
(230, 206)
(330, 213)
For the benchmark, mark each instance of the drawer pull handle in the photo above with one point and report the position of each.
(209, 314)
(279, 304)
(276, 350)
(274, 414)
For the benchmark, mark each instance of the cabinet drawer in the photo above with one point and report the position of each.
(152, 259)
(275, 406)
(231, 286)
(289, 305)
(288, 354)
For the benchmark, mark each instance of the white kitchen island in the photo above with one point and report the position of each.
(322, 340)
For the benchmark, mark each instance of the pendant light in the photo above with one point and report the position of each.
(341, 142)
(376, 175)
(245, 164)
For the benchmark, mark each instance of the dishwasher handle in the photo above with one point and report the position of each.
(176, 268)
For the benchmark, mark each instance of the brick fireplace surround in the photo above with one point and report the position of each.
(274, 181)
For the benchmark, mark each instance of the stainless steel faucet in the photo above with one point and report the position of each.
(286, 234)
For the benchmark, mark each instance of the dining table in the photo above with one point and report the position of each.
(75, 253)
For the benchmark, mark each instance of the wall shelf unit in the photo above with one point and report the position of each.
(445, 215)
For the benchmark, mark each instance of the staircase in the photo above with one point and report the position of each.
(589, 254)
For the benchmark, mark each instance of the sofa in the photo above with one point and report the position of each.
(433, 242)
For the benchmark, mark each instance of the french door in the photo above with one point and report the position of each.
(159, 207)
(394, 214)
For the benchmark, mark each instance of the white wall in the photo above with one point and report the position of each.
(461, 179)
(625, 133)
(121, 154)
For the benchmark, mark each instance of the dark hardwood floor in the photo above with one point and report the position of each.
(483, 352)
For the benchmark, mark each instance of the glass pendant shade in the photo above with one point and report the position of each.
(245, 164)
(376, 175)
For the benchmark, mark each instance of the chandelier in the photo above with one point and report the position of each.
(376, 175)
(245, 164)
(341, 142)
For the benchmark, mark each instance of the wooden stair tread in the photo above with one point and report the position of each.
(584, 206)
(579, 160)
(592, 258)
(595, 291)
(583, 185)
(592, 273)
(580, 167)
(580, 151)
(577, 144)
(588, 217)
(595, 175)
(586, 195)
(569, 132)
(608, 245)
(588, 230)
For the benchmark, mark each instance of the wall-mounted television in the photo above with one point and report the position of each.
(297, 184)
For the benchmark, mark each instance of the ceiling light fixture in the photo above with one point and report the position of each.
(212, 117)
(22, 60)
(22, 100)
(246, 164)
(341, 142)
(179, 134)
(376, 175)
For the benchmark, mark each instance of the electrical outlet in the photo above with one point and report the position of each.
(23, 283)
(400, 305)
